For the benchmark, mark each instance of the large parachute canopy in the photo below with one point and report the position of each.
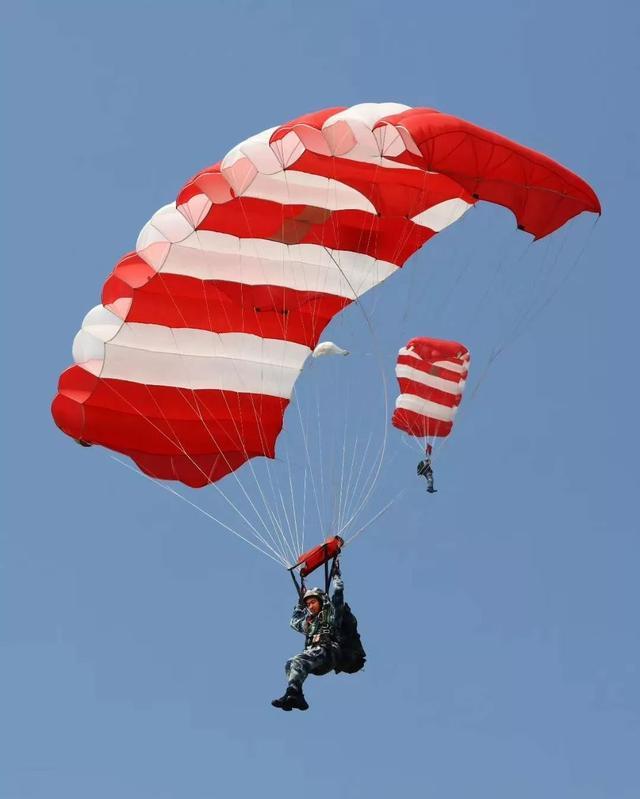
(189, 362)
(431, 375)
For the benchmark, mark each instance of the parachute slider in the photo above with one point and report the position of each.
(320, 555)
(316, 557)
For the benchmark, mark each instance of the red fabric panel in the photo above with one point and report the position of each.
(541, 193)
(418, 425)
(391, 239)
(222, 307)
(136, 419)
(429, 393)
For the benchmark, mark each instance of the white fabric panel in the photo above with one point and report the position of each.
(368, 113)
(98, 326)
(453, 367)
(390, 142)
(300, 188)
(425, 407)
(368, 146)
(442, 215)
(288, 149)
(208, 255)
(170, 223)
(410, 353)
(256, 149)
(166, 225)
(198, 359)
(87, 347)
(428, 380)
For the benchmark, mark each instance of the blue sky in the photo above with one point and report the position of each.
(140, 645)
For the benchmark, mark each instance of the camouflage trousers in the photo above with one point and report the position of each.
(313, 660)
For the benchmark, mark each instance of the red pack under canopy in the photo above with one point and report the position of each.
(318, 556)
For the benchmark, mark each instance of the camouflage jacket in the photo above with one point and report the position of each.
(320, 629)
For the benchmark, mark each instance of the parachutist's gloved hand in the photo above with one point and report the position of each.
(336, 568)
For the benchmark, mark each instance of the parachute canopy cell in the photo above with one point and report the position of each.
(431, 375)
(189, 363)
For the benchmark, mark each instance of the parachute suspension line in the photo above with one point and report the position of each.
(374, 473)
(337, 511)
(352, 488)
(356, 490)
(271, 509)
(277, 528)
(498, 278)
(365, 491)
(376, 346)
(308, 471)
(304, 507)
(338, 496)
(498, 274)
(417, 207)
(255, 509)
(375, 518)
(460, 270)
(529, 315)
(532, 314)
(176, 442)
(277, 532)
(324, 498)
(198, 508)
(308, 458)
(196, 407)
(380, 459)
(296, 527)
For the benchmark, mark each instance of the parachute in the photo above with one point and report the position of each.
(189, 363)
(431, 375)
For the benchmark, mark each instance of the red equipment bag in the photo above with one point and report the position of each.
(311, 560)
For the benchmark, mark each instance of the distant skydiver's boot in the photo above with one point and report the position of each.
(293, 697)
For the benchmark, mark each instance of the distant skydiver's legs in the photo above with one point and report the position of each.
(430, 488)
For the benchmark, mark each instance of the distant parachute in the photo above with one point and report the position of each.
(189, 363)
(431, 375)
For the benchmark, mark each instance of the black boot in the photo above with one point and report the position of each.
(293, 697)
(296, 699)
(283, 701)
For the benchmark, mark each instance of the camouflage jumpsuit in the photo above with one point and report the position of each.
(317, 656)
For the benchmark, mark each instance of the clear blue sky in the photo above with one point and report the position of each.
(140, 645)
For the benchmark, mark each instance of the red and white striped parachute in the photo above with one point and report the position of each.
(188, 364)
(432, 375)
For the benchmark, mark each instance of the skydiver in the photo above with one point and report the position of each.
(426, 470)
(318, 617)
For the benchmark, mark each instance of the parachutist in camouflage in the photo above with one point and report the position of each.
(426, 470)
(318, 617)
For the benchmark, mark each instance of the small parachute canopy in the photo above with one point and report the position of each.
(431, 375)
